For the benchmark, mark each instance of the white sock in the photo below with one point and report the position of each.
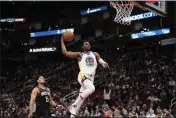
(79, 106)
(87, 89)
(72, 116)
(77, 102)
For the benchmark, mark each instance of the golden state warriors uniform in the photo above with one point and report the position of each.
(88, 66)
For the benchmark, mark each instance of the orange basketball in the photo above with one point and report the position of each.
(68, 35)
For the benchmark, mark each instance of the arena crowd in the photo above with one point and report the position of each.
(139, 83)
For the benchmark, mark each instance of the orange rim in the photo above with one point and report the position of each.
(131, 4)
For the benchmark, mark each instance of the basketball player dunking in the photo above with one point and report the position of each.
(87, 61)
(41, 97)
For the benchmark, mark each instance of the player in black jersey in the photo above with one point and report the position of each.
(41, 97)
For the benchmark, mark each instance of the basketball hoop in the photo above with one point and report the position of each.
(123, 9)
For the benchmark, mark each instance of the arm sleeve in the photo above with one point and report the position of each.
(101, 61)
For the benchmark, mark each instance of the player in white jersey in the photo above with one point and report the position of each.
(87, 61)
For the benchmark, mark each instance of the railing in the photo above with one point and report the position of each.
(75, 93)
(173, 102)
(49, 77)
(48, 73)
(71, 95)
(32, 82)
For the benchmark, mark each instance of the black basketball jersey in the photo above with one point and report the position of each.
(43, 100)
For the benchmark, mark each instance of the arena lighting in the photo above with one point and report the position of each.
(150, 33)
(168, 41)
(10, 20)
(89, 11)
(52, 49)
(49, 33)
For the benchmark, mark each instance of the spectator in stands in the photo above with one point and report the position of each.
(151, 114)
(105, 105)
(86, 112)
(135, 77)
(172, 83)
(107, 95)
(168, 114)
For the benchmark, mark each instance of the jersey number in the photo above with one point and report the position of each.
(47, 99)
(89, 61)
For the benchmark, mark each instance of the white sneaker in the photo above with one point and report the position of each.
(72, 116)
(72, 110)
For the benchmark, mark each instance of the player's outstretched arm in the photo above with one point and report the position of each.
(69, 53)
(32, 102)
(101, 61)
(52, 103)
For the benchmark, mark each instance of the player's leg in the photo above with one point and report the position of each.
(87, 88)
(73, 108)
(81, 102)
(82, 90)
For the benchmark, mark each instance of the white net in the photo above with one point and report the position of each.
(123, 9)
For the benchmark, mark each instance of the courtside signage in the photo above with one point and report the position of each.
(49, 33)
(141, 16)
(150, 33)
(168, 41)
(9, 20)
(89, 11)
(52, 49)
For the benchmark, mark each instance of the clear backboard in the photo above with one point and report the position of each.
(158, 7)
(125, 8)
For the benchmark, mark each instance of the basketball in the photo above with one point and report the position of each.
(68, 35)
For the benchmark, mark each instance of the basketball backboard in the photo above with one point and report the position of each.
(158, 7)
(125, 8)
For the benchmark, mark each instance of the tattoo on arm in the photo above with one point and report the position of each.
(32, 100)
(32, 107)
(52, 102)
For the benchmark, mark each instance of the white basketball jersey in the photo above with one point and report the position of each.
(88, 64)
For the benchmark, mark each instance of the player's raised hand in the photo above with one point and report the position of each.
(62, 40)
(105, 65)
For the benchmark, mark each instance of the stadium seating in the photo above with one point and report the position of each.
(141, 81)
